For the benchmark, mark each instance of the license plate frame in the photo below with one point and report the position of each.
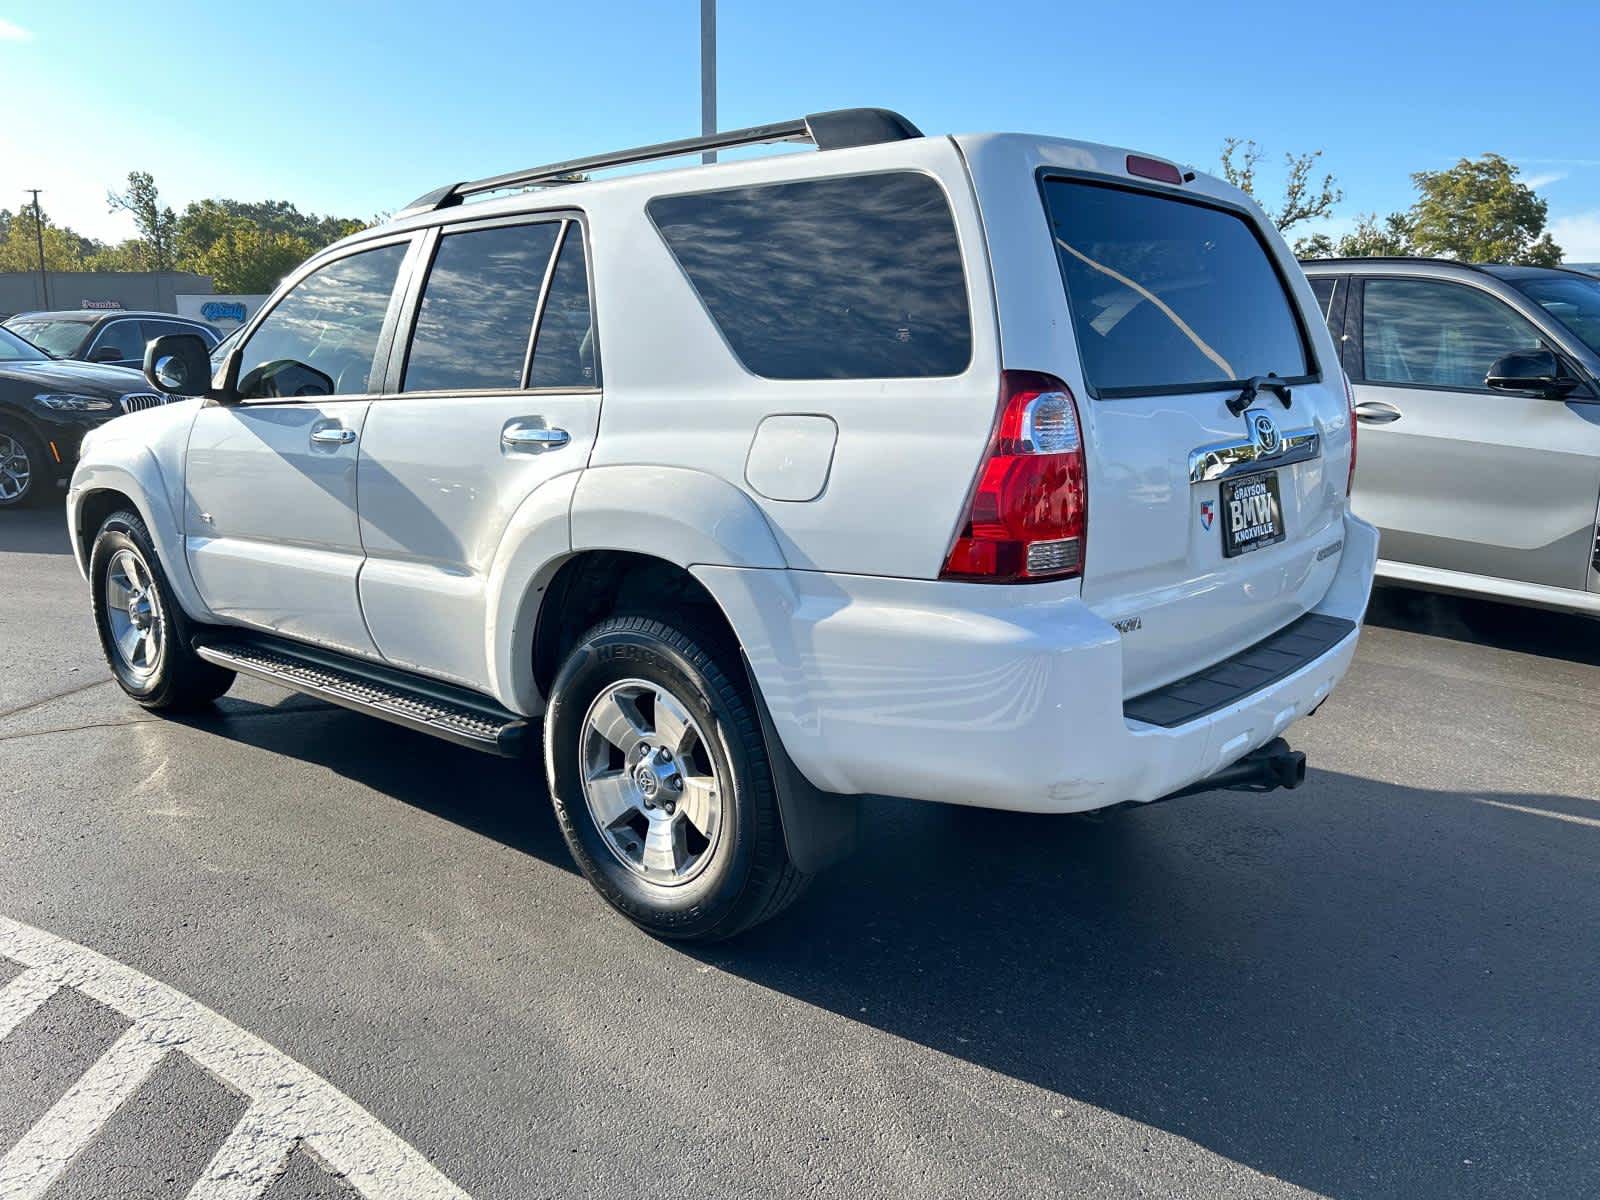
(1260, 491)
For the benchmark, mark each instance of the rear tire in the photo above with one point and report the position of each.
(22, 467)
(661, 784)
(143, 632)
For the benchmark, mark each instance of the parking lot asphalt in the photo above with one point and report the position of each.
(1383, 984)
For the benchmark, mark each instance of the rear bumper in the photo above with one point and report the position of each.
(994, 697)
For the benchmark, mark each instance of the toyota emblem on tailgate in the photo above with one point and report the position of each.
(1264, 433)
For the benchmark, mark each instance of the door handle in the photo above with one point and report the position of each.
(1376, 412)
(333, 436)
(533, 439)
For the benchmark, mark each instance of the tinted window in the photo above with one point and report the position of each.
(320, 339)
(155, 329)
(478, 307)
(1417, 331)
(1323, 286)
(564, 354)
(1169, 295)
(1570, 299)
(125, 337)
(830, 278)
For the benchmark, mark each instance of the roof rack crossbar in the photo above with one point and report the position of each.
(827, 131)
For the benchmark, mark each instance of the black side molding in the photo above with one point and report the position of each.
(1233, 679)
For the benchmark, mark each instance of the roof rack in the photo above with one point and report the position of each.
(1481, 267)
(835, 130)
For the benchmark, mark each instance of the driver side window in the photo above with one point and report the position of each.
(321, 338)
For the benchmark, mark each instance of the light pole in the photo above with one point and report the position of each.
(38, 233)
(708, 73)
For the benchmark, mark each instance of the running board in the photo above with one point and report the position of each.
(425, 705)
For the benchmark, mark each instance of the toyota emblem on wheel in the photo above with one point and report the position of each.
(1264, 433)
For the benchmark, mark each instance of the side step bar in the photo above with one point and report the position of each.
(424, 705)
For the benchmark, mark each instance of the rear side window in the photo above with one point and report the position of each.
(1168, 295)
(478, 308)
(844, 278)
(1323, 286)
(564, 355)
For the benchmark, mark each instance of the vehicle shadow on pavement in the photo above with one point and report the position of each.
(1568, 636)
(1363, 989)
(499, 798)
(37, 529)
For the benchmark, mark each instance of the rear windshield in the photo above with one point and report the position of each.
(840, 278)
(1168, 295)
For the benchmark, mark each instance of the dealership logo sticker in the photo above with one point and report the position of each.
(1208, 513)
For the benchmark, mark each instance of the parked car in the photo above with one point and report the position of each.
(1478, 393)
(114, 339)
(46, 407)
(994, 470)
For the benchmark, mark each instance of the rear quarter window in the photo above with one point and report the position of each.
(1169, 295)
(842, 278)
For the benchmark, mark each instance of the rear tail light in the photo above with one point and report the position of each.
(1350, 405)
(1029, 510)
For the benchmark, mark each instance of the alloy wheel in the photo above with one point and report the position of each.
(650, 782)
(16, 471)
(133, 612)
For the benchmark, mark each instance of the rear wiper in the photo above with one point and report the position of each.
(1259, 383)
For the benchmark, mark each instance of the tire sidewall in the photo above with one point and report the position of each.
(609, 655)
(120, 533)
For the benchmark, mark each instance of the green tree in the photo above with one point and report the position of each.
(124, 256)
(1477, 212)
(19, 248)
(248, 246)
(157, 224)
(246, 259)
(1304, 199)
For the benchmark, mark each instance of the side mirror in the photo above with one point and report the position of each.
(1537, 371)
(178, 364)
(106, 354)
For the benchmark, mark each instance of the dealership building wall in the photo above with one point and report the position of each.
(157, 291)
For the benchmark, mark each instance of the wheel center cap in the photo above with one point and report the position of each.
(647, 781)
(139, 613)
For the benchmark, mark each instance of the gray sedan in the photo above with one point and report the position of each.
(1477, 393)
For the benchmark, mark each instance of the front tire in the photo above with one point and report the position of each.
(143, 632)
(661, 784)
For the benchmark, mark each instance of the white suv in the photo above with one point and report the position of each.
(996, 470)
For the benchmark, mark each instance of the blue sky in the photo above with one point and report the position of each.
(356, 108)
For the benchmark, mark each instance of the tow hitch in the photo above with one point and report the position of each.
(1266, 769)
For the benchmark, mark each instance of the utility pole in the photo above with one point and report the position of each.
(708, 73)
(38, 233)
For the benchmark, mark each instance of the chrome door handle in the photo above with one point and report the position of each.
(533, 438)
(333, 436)
(1376, 412)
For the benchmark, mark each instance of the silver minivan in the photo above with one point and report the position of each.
(1477, 395)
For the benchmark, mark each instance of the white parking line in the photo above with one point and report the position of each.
(288, 1105)
(46, 1150)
